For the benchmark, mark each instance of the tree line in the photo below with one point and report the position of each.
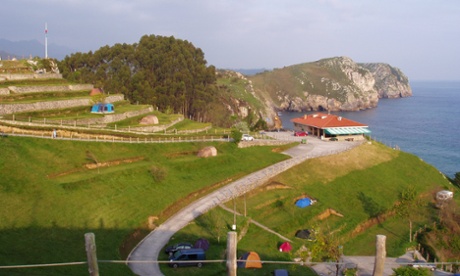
(165, 72)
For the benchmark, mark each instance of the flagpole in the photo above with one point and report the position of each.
(46, 40)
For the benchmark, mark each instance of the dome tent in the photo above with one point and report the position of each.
(202, 243)
(303, 202)
(102, 108)
(250, 260)
(306, 234)
(285, 247)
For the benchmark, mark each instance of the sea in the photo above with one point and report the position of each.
(426, 124)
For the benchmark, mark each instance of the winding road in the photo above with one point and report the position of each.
(148, 250)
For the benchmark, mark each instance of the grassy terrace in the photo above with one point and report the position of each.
(66, 96)
(50, 198)
(43, 96)
(35, 82)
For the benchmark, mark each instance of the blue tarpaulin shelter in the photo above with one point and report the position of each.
(303, 202)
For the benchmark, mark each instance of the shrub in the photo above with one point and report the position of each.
(158, 173)
(410, 271)
(236, 135)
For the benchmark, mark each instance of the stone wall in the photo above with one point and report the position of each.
(25, 107)
(4, 77)
(108, 118)
(246, 144)
(4, 91)
(49, 88)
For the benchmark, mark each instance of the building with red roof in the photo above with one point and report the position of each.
(331, 126)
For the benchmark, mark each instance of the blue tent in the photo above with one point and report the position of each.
(102, 108)
(304, 202)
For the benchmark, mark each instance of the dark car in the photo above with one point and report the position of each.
(300, 133)
(187, 257)
(178, 246)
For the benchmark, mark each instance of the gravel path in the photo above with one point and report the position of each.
(148, 250)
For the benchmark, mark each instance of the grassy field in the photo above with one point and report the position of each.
(359, 185)
(50, 198)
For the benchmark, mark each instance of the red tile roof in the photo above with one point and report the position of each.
(321, 120)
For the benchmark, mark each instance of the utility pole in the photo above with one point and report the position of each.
(90, 245)
(380, 255)
(231, 253)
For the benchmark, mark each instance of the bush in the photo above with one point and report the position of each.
(236, 135)
(158, 173)
(410, 271)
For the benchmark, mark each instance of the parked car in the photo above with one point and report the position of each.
(178, 246)
(187, 257)
(300, 133)
(423, 264)
(247, 137)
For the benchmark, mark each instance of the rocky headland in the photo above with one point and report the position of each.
(333, 84)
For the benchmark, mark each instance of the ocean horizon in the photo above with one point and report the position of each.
(426, 124)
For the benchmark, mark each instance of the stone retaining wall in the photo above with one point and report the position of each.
(49, 88)
(4, 91)
(4, 77)
(246, 144)
(108, 118)
(25, 107)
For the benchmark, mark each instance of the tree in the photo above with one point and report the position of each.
(168, 73)
(456, 179)
(236, 136)
(408, 202)
(328, 247)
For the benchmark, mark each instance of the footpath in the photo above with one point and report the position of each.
(142, 260)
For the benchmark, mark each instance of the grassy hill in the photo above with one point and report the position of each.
(362, 186)
(52, 193)
(50, 197)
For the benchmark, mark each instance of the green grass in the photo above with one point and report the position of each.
(187, 124)
(238, 88)
(358, 184)
(134, 121)
(50, 200)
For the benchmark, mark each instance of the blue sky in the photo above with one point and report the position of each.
(421, 37)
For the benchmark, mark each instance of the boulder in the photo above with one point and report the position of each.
(95, 91)
(149, 120)
(207, 152)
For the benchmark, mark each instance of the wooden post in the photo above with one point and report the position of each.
(90, 245)
(380, 255)
(231, 253)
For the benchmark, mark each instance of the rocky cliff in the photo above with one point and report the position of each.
(335, 84)
(390, 82)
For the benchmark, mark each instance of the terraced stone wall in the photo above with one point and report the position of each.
(25, 107)
(10, 77)
(108, 118)
(50, 88)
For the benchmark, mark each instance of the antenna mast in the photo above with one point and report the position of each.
(46, 40)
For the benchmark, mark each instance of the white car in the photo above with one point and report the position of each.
(247, 137)
(423, 264)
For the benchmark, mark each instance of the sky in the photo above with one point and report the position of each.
(420, 37)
